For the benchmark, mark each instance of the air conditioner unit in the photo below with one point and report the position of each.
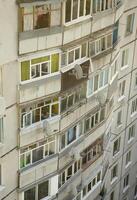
(51, 126)
(74, 154)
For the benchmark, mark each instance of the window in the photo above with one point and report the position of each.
(98, 82)
(112, 196)
(1, 129)
(135, 191)
(91, 153)
(114, 172)
(93, 120)
(35, 17)
(39, 67)
(119, 118)
(38, 192)
(130, 23)
(37, 151)
(76, 9)
(39, 112)
(126, 182)
(128, 158)
(91, 184)
(134, 106)
(122, 88)
(116, 146)
(131, 132)
(125, 57)
(69, 172)
(100, 45)
(70, 136)
(101, 5)
(39, 16)
(72, 98)
(74, 55)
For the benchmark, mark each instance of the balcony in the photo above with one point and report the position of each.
(92, 153)
(33, 174)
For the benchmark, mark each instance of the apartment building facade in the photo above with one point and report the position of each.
(68, 100)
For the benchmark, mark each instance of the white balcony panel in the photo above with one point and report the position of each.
(77, 32)
(39, 88)
(35, 173)
(103, 21)
(37, 43)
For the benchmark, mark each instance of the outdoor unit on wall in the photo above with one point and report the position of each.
(74, 153)
(78, 72)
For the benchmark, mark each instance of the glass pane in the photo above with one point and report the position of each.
(25, 70)
(27, 118)
(84, 49)
(75, 9)
(77, 54)
(81, 10)
(40, 60)
(63, 104)
(46, 150)
(62, 145)
(37, 154)
(54, 63)
(35, 71)
(43, 190)
(69, 172)
(68, 11)
(70, 100)
(44, 69)
(41, 17)
(51, 148)
(44, 112)
(27, 158)
(70, 57)
(54, 110)
(71, 135)
(29, 194)
(22, 161)
(96, 82)
(36, 115)
(90, 86)
(88, 5)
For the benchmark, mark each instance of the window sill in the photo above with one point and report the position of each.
(2, 187)
(131, 140)
(123, 67)
(125, 189)
(128, 164)
(121, 98)
(80, 20)
(114, 180)
(116, 154)
(133, 114)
